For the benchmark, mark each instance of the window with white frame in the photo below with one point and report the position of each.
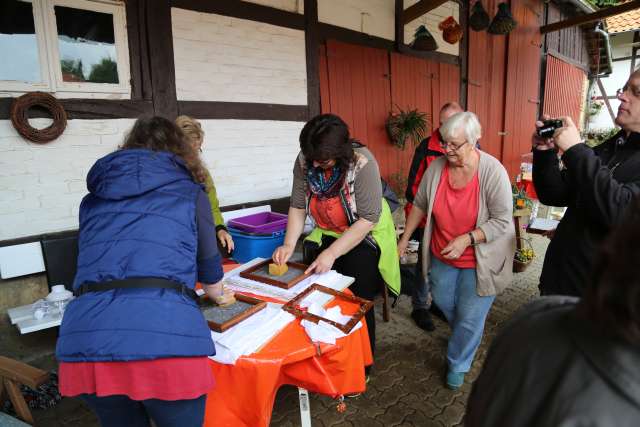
(63, 46)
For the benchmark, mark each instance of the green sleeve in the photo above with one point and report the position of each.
(215, 206)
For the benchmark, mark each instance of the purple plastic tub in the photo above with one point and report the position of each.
(263, 222)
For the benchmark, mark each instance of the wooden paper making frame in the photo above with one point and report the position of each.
(259, 273)
(226, 317)
(293, 307)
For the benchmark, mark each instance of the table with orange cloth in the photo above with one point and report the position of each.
(245, 392)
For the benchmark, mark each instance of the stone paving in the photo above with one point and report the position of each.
(406, 387)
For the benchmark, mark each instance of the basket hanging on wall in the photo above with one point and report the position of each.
(20, 117)
(423, 40)
(451, 30)
(503, 23)
(479, 19)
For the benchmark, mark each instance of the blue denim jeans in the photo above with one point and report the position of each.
(120, 411)
(420, 297)
(454, 291)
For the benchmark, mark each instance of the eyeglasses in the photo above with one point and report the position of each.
(635, 91)
(448, 145)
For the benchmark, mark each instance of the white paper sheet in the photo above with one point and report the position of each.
(323, 331)
(249, 335)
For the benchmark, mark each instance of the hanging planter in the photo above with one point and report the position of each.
(503, 23)
(423, 40)
(451, 30)
(404, 125)
(479, 19)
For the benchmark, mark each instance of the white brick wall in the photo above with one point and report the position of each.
(250, 160)
(220, 58)
(41, 186)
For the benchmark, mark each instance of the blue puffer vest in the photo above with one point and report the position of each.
(139, 220)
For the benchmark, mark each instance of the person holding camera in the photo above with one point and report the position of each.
(597, 185)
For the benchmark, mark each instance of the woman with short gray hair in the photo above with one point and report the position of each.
(469, 237)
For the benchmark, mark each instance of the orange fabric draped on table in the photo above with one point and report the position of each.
(245, 392)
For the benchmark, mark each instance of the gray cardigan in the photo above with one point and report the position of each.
(494, 258)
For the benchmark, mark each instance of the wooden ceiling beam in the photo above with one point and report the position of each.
(420, 8)
(592, 17)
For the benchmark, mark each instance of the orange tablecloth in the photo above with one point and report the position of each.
(245, 392)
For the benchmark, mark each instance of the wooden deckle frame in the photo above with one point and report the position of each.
(221, 327)
(249, 273)
(293, 307)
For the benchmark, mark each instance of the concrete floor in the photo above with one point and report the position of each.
(406, 387)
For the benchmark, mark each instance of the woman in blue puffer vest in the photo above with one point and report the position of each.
(134, 344)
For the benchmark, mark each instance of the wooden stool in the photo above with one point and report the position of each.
(12, 375)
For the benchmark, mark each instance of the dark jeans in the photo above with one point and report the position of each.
(420, 297)
(121, 411)
(360, 263)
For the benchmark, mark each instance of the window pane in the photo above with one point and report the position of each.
(18, 44)
(87, 45)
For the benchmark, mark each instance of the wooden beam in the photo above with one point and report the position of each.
(244, 10)
(328, 31)
(606, 101)
(592, 17)
(419, 9)
(312, 49)
(431, 56)
(399, 25)
(91, 109)
(243, 111)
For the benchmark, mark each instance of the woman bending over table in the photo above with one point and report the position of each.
(336, 181)
(469, 237)
(134, 344)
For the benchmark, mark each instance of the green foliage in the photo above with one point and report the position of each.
(403, 125)
(604, 3)
(106, 71)
(73, 68)
(597, 137)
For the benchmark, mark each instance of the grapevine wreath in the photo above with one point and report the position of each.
(20, 117)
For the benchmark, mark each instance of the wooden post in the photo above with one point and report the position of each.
(161, 61)
(606, 101)
(399, 25)
(312, 49)
(464, 52)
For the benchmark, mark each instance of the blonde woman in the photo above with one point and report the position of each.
(192, 129)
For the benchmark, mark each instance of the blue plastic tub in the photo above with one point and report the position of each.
(249, 246)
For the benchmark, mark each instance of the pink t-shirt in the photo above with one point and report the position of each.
(455, 212)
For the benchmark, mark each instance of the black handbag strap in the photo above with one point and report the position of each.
(137, 283)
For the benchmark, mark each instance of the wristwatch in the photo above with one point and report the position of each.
(473, 241)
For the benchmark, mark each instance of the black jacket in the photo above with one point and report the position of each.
(596, 185)
(551, 368)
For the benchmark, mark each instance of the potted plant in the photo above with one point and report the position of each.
(403, 125)
(523, 256)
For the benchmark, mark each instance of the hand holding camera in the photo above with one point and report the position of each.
(561, 133)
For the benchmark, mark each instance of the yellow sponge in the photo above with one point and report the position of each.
(277, 270)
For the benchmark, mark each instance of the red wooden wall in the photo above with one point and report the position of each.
(362, 85)
(563, 89)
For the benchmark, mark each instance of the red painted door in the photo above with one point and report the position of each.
(486, 83)
(523, 79)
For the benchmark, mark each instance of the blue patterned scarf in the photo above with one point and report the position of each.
(323, 187)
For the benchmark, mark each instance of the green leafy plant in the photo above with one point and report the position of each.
(403, 125)
(520, 198)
